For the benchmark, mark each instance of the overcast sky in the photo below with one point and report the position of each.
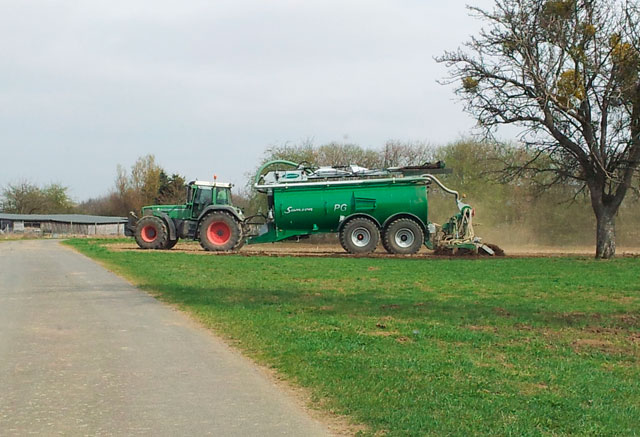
(206, 86)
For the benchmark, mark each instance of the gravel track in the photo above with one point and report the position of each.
(82, 352)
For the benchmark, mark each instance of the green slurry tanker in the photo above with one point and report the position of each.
(363, 206)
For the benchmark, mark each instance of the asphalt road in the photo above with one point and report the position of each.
(82, 352)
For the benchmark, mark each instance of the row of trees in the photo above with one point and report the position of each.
(146, 183)
(393, 153)
(28, 198)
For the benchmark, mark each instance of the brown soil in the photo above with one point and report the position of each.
(498, 250)
(584, 344)
(334, 250)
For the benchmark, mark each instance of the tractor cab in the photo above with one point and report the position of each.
(201, 194)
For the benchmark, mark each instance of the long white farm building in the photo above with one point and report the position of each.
(60, 224)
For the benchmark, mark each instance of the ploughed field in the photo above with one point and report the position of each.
(303, 249)
(410, 346)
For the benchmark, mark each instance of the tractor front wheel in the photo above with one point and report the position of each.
(359, 236)
(403, 237)
(220, 232)
(170, 244)
(151, 233)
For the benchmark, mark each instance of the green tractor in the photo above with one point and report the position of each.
(207, 216)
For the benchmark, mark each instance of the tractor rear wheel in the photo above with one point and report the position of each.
(219, 231)
(359, 235)
(151, 233)
(403, 237)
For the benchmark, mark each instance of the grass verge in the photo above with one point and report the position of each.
(538, 346)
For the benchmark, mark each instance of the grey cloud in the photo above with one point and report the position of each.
(207, 86)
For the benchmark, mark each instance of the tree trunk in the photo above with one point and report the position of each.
(606, 233)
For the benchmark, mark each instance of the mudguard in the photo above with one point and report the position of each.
(170, 224)
(224, 208)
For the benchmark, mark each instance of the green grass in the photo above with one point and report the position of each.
(545, 346)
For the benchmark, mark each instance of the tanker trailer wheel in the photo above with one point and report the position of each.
(151, 233)
(403, 236)
(219, 232)
(359, 235)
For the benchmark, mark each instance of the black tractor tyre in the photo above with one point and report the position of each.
(359, 236)
(170, 244)
(220, 232)
(403, 237)
(151, 233)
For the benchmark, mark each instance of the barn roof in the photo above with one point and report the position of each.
(64, 218)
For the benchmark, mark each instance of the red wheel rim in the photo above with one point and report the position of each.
(218, 233)
(149, 234)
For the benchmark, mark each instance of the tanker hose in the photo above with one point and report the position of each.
(269, 164)
(441, 185)
(248, 221)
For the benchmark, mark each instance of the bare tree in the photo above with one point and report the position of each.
(567, 73)
(343, 154)
(333, 153)
(398, 153)
(22, 198)
(145, 179)
(140, 187)
(27, 198)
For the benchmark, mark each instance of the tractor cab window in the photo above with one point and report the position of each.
(201, 199)
(204, 195)
(223, 196)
